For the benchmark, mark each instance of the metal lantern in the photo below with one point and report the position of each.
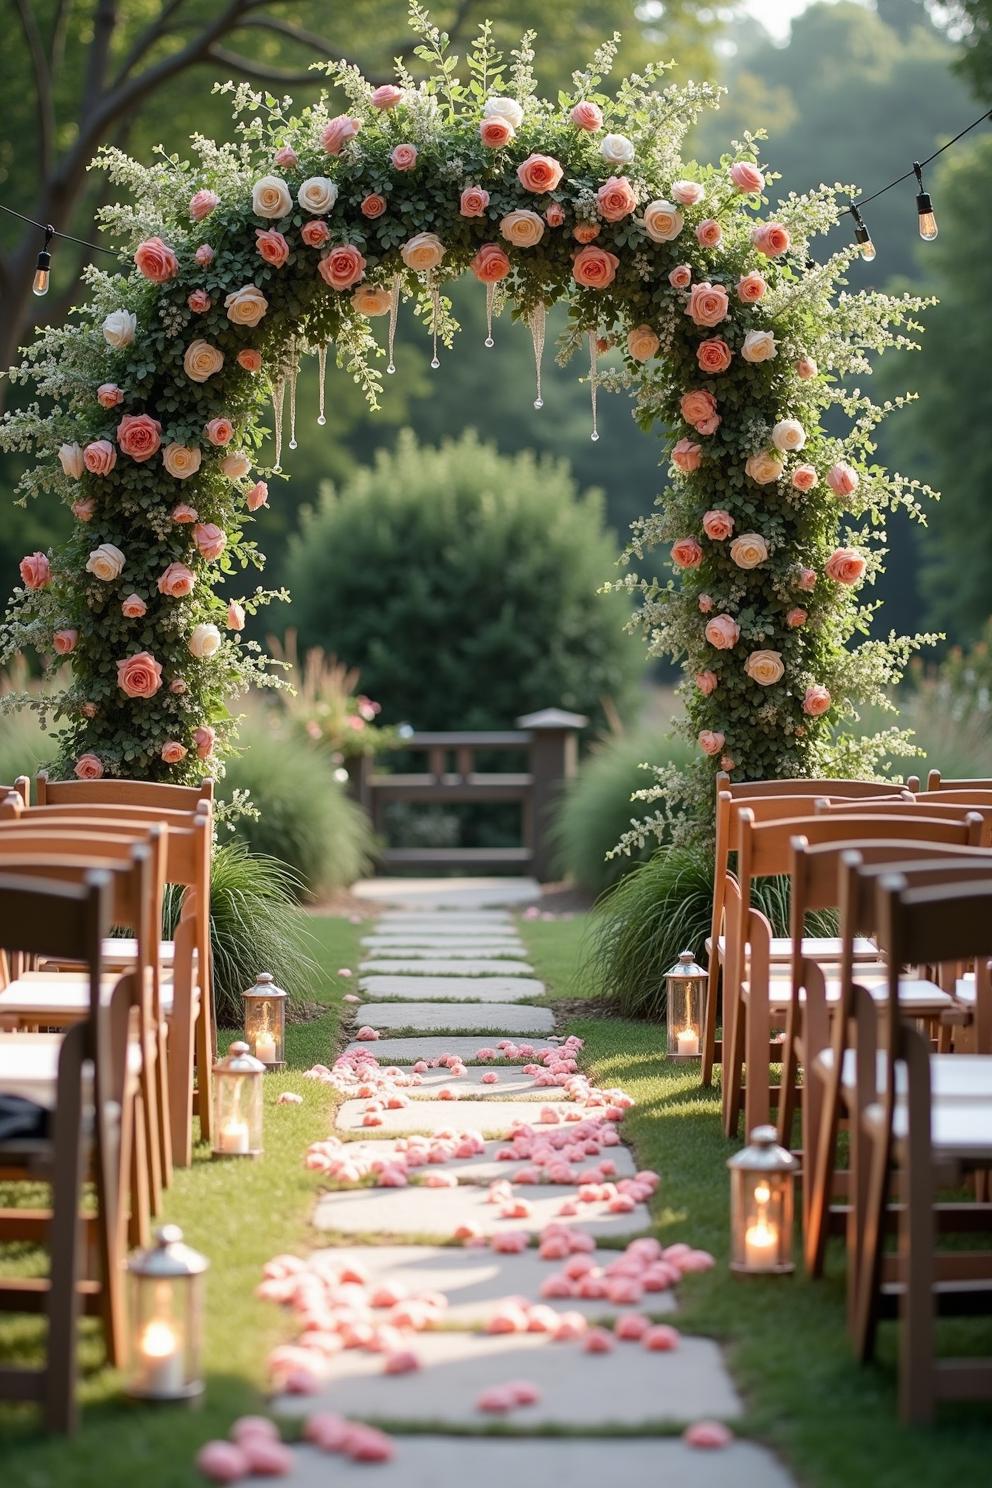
(762, 1183)
(238, 1104)
(166, 1319)
(265, 1021)
(685, 990)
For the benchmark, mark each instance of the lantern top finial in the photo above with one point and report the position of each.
(168, 1255)
(265, 985)
(686, 966)
(764, 1153)
(239, 1061)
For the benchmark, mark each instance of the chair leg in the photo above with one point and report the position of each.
(63, 1303)
(139, 1222)
(871, 1245)
(152, 1119)
(710, 1018)
(733, 1062)
(757, 1074)
(162, 1094)
(917, 1242)
(181, 1059)
(204, 1062)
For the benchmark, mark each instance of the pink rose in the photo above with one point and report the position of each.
(586, 232)
(845, 566)
(771, 238)
(554, 216)
(272, 246)
(156, 260)
(173, 752)
(235, 616)
(687, 456)
(686, 553)
(315, 233)
(474, 201)
(199, 301)
(250, 359)
(680, 277)
(133, 607)
(343, 267)
(177, 581)
(817, 701)
(587, 116)
(594, 268)
(83, 509)
(709, 233)
(842, 479)
(708, 304)
(202, 203)
(204, 255)
(139, 435)
(286, 157)
(209, 539)
(203, 738)
(100, 457)
(796, 617)
(705, 603)
(386, 96)
(727, 763)
(699, 409)
(88, 709)
(688, 193)
(711, 742)
(616, 198)
(219, 431)
(490, 264)
(403, 157)
(751, 287)
(139, 676)
(806, 579)
(804, 477)
(35, 571)
(177, 686)
(373, 205)
(747, 177)
(806, 367)
(718, 525)
(335, 135)
(714, 355)
(257, 496)
(539, 173)
(88, 767)
(183, 513)
(64, 641)
(723, 632)
(108, 395)
(706, 682)
(495, 132)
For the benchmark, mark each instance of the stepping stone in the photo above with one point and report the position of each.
(454, 988)
(579, 1462)
(412, 966)
(434, 1115)
(409, 1050)
(630, 1387)
(486, 1168)
(512, 1082)
(413, 945)
(485, 1021)
(481, 919)
(420, 1211)
(477, 1281)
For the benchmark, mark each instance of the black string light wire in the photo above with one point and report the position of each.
(43, 266)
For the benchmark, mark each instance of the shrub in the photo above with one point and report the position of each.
(463, 585)
(596, 807)
(24, 746)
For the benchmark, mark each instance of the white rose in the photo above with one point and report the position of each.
(788, 435)
(119, 328)
(504, 108)
(246, 306)
(764, 467)
(765, 667)
(235, 465)
(270, 197)
(662, 221)
(202, 360)
(422, 252)
(523, 228)
(181, 461)
(105, 562)
(204, 641)
(749, 550)
(317, 195)
(617, 149)
(71, 457)
(759, 346)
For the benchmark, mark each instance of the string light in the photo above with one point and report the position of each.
(43, 268)
(924, 206)
(862, 235)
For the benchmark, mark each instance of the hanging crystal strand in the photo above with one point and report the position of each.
(394, 308)
(321, 374)
(294, 372)
(490, 298)
(593, 382)
(435, 321)
(278, 396)
(536, 322)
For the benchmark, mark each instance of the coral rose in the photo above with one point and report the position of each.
(509, 109)
(718, 525)
(270, 197)
(423, 252)
(706, 682)
(806, 367)
(373, 205)
(587, 115)
(495, 133)
(617, 149)
(235, 616)
(203, 738)
(83, 509)
(722, 632)
(403, 157)
(687, 553)
(181, 461)
(522, 228)
(662, 221)
(539, 173)
(177, 581)
(204, 255)
(133, 607)
(272, 246)
(594, 268)
(139, 435)
(764, 467)
(711, 742)
(372, 299)
(343, 267)
(765, 667)
(806, 579)
(642, 343)
(714, 355)
(202, 203)
(199, 301)
(105, 563)
(245, 307)
(210, 539)
(203, 360)
(680, 277)
(100, 457)
(748, 550)
(586, 232)
(219, 431)
(816, 701)
(709, 233)
(474, 201)
(204, 642)
(708, 304)
(250, 359)
(687, 456)
(554, 214)
(788, 435)
(843, 479)
(182, 513)
(751, 287)
(490, 264)
(172, 752)
(616, 199)
(688, 193)
(804, 477)
(315, 234)
(257, 496)
(699, 409)
(119, 328)
(747, 178)
(386, 96)
(771, 238)
(139, 676)
(156, 261)
(88, 767)
(108, 395)
(796, 617)
(35, 571)
(317, 195)
(759, 346)
(845, 566)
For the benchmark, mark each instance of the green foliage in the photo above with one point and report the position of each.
(596, 808)
(462, 583)
(24, 745)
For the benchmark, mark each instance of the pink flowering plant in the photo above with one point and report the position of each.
(324, 703)
(735, 344)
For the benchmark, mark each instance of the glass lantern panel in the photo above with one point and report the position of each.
(237, 1113)
(685, 1014)
(265, 1028)
(762, 1221)
(165, 1335)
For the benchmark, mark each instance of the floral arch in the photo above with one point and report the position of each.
(733, 341)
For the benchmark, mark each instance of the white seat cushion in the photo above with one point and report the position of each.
(959, 1129)
(965, 1077)
(122, 951)
(29, 1065)
(819, 947)
(62, 992)
(918, 998)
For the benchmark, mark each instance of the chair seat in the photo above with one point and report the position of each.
(960, 1130)
(952, 1076)
(918, 998)
(61, 993)
(817, 947)
(29, 1066)
(122, 952)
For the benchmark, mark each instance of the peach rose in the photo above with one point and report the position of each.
(204, 255)
(235, 616)
(586, 232)
(711, 742)
(173, 752)
(687, 456)
(100, 457)
(202, 360)
(642, 343)
(315, 234)
(35, 571)
(139, 676)
(204, 642)
(522, 228)
(709, 233)
(705, 603)
(727, 763)
(156, 261)
(250, 359)
(764, 467)
(181, 461)
(177, 581)
(372, 299)
(706, 682)
(718, 525)
(403, 157)
(423, 252)
(108, 395)
(474, 201)
(83, 509)
(714, 355)
(747, 178)
(119, 328)
(587, 115)
(843, 479)
(616, 199)
(257, 496)
(88, 767)
(495, 132)
(139, 435)
(182, 513)
(490, 264)
(270, 197)
(686, 553)
(177, 686)
(662, 221)
(594, 268)
(688, 193)
(845, 566)
(317, 195)
(806, 579)
(748, 550)
(199, 301)
(751, 287)
(272, 246)
(343, 267)
(286, 158)
(771, 238)
(723, 632)
(202, 203)
(796, 617)
(806, 367)
(373, 205)
(699, 409)
(105, 563)
(203, 738)
(386, 96)
(210, 539)
(765, 667)
(708, 304)
(680, 277)
(759, 346)
(554, 214)
(219, 431)
(336, 134)
(133, 607)
(804, 477)
(789, 436)
(245, 307)
(817, 700)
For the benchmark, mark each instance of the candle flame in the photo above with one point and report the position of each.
(158, 1341)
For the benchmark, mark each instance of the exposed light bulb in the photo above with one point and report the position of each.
(924, 207)
(862, 236)
(42, 274)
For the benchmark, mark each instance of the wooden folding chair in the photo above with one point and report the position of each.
(936, 810)
(936, 783)
(20, 788)
(110, 792)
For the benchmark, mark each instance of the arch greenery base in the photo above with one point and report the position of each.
(733, 342)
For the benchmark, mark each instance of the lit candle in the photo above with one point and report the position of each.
(163, 1368)
(234, 1136)
(761, 1245)
(688, 1043)
(265, 1047)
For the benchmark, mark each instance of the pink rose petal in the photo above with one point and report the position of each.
(267, 1458)
(661, 1338)
(598, 1341)
(710, 1435)
(222, 1462)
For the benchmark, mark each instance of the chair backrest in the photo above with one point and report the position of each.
(936, 783)
(937, 812)
(851, 789)
(20, 788)
(764, 849)
(46, 916)
(121, 793)
(979, 796)
(86, 813)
